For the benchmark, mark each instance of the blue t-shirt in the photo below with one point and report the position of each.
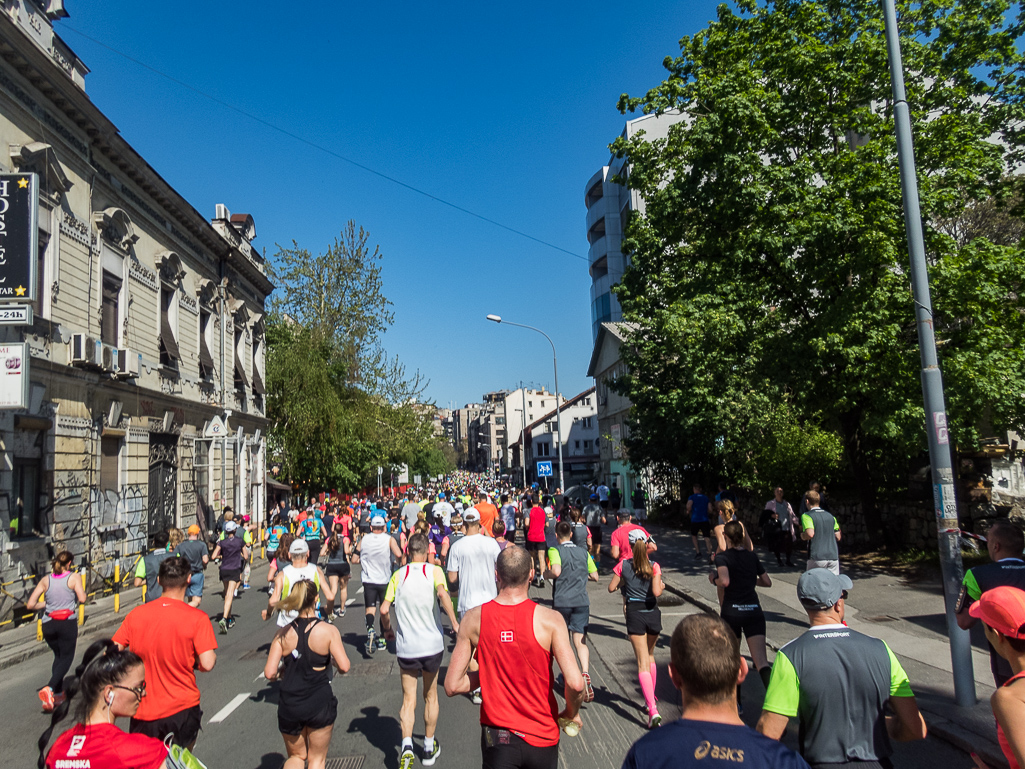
(685, 744)
(699, 510)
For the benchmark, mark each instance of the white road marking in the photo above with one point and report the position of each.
(258, 678)
(230, 708)
(360, 590)
(351, 601)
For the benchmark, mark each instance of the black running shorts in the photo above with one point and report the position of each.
(183, 725)
(641, 621)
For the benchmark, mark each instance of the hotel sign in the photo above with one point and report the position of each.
(19, 237)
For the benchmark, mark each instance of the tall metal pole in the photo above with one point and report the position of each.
(947, 528)
(523, 435)
(558, 409)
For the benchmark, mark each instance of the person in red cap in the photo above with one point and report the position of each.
(1002, 611)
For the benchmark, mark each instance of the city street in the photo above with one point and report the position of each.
(240, 727)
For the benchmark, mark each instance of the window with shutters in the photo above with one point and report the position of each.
(258, 385)
(110, 310)
(110, 471)
(41, 281)
(206, 358)
(241, 380)
(169, 352)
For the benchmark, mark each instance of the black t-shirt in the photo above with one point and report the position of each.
(329, 524)
(193, 550)
(744, 567)
(707, 745)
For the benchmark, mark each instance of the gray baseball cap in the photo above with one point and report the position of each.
(821, 588)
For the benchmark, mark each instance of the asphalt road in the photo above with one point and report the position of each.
(240, 722)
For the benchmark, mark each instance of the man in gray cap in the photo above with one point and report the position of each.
(837, 682)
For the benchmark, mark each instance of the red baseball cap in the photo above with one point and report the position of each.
(1003, 609)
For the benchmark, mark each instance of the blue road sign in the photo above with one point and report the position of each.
(544, 469)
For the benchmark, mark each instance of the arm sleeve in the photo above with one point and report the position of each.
(720, 560)
(123, 636)
(972, 585)
(761, 568)
(204, 636)
(806, 522)
(140, 570)
(554, 557)
(142, 751)
(618, 569)
(836, 525)
(393, 585)
(439, 579)
(900, 686)
(784, 690)
(591, 568)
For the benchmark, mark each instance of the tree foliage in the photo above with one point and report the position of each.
(339, 407)
(768, 276)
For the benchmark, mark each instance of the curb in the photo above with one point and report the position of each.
(939, 724)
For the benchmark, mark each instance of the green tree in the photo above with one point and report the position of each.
(769, 261)
(339, 406)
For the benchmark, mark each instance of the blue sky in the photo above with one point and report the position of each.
(504, 110)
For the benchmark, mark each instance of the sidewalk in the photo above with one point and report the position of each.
(907, 614)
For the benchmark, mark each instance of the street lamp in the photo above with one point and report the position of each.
(558, 408)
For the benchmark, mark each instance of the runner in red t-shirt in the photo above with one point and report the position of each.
(536, 520)
(173, 639)
(516, 640)
(112, 688)
(620, 542)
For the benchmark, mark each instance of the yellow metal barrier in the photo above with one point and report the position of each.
(39, 622)
(117, 586)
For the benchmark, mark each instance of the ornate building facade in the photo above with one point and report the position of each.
(146, 406)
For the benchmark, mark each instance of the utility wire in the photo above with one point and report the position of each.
(322, 148)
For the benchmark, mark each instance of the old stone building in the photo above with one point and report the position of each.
(146, 405)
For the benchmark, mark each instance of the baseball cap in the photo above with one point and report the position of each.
(1003, 609)
(459, 505)
(299, 547)
(623, 513)
(594, 496)
(230, 526)
(378, 520)
(471, 515)
(821, 588)
(194, 529)
(638, 535)
(441, 496)
(247, 518)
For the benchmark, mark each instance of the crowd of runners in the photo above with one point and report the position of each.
(465, 554)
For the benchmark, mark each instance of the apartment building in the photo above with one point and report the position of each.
(580, 447)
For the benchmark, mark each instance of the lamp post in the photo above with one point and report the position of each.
(558, 408)
(947, 526)
(523, 447)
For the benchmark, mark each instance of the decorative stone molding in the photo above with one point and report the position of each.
(41, 158)
(169, 265)
(207, 292)
(187, 303)
(138, 435)
(115, 226)
(74, 426)
(142, 274)
(75, 229)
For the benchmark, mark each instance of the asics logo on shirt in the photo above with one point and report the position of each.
(706, 749)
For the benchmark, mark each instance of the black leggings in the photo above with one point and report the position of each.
(61, 635)
(501, 749)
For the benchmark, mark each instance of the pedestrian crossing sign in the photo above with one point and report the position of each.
(544, 469)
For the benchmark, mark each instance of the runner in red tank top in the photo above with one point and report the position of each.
(516, 640)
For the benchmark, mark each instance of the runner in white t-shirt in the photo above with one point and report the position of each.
(415, 590)
(285, 580)
(375, 559)
(471, 561)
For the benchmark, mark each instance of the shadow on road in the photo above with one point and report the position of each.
(383, 732)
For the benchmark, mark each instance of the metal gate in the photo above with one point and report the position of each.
(163, 483)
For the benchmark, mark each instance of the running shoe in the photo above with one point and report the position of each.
(231, 623)
(58, 699)
(588, 689)
(371, 647)
(223, 625)
(382, 643)
(429, 758)
(654, 720)
(337, 613)
(46, 697)
(475, 698)
(407, 759)
(245, 586)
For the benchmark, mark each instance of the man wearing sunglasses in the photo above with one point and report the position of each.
(838, 682)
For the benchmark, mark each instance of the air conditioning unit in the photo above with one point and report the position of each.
(127, 364)
(108, 358)
(85, 350)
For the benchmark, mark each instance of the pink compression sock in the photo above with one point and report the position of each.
(648, 688)
(654, 676)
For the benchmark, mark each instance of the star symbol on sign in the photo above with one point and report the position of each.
(19, 291)
(23, 183)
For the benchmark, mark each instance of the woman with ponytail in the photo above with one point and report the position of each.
(63, 593)
(109, 684)
(336, 550)
(640, 579)
(307, 707)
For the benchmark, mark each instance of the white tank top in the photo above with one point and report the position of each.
(375, 559)
(289, 576)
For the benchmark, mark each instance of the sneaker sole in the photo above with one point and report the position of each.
(429, 760)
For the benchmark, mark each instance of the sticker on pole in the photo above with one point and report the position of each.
(939, 423)
(946, 507)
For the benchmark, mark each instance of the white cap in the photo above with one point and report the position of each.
(378, 520)
(471, 515)
(299, 547)
(638, 535)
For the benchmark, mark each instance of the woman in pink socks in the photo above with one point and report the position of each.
(641, 583)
